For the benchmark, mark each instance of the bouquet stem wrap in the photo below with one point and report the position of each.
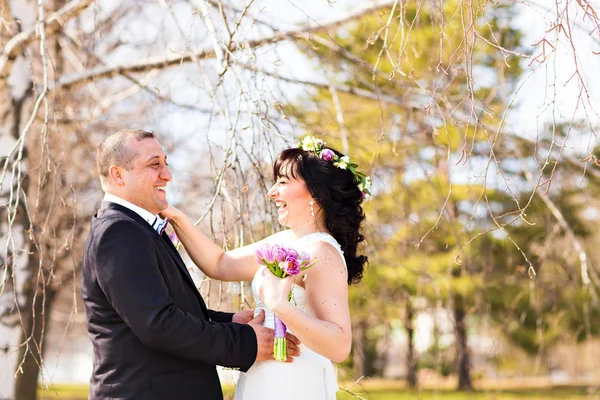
(279, 343)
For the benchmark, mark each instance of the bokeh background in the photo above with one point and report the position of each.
(477, 121)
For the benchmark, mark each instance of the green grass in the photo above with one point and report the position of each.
(64, 392)
(79, 392)
(400, 394)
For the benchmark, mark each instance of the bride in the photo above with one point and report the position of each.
(318, 193)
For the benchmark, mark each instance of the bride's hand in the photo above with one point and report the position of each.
(172, 213)
(274, 291)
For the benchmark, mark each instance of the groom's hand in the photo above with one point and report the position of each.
(293, 345)
(243, 317)
(264, 339)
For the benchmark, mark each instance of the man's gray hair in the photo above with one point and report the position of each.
(115, 150)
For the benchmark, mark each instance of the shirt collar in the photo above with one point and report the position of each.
(152, 219)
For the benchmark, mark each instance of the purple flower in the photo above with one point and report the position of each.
(279, 253)
(264, 254)
(283, 261)
(327, 154)
(259, 256)
(291, 266)
(292, 253)
(303, 259)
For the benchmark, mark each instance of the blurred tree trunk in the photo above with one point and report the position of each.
(47, 198)
(463, 362)
(411, 364)
(15, 100)
(359, 362)
(36, 316)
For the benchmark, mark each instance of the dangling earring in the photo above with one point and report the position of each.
(312, 210)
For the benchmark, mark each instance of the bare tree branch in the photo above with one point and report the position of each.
(177, 59)
(340, 119)
(19, 42)
(577, 246)
(366, 94)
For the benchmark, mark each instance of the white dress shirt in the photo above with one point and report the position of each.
(152, 219)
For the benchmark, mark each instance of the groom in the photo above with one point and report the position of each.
(152, 334)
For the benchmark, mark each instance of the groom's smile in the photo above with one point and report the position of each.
(162, 189)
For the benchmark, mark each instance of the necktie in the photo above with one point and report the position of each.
(160, 225)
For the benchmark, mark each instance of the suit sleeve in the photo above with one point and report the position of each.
(127, 272)
(218, 316)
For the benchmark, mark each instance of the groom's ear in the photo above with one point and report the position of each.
(115, 174)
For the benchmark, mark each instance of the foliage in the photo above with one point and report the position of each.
(433, 234)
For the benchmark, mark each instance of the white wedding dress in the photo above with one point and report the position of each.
(311, 376)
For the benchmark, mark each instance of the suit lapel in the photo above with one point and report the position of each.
(166, 241)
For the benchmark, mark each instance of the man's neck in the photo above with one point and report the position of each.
(142, 212)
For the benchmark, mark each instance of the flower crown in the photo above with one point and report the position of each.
(312, 144)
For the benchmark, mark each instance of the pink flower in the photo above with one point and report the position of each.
(291, 266)
(283, 261)
(292, 253)
(327, 154)
(279, 253)
(303, 259)
(264, 254)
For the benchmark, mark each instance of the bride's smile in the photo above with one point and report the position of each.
(281, 205)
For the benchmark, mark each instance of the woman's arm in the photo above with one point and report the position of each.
(234, 265)
(329, 331)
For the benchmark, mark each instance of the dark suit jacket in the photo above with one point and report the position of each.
(152, 334)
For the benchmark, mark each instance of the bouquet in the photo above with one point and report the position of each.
(282, 261)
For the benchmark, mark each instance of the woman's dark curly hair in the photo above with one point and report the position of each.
(337, 193)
